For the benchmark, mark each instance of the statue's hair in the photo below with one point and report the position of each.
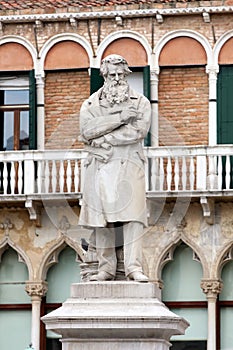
(113, 59)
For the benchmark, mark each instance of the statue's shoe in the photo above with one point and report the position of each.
(102, 276)
(137, 276)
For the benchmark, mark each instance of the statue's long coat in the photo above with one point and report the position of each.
(114, 188)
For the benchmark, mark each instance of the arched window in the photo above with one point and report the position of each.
(15, 304)
(136, 57)
(183, 93)
(66, 87)
(224, 100)
(59, 277)
(17, 98)
(226, 307)
(183, 295)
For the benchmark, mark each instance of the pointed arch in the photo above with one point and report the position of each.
(22, 257)
(225, 256)
(168, 253)
(52, 256)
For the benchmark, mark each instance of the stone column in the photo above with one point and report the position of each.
(36, 290)
(212, 71)
(40, 111)
(154, 80)
(211, 288)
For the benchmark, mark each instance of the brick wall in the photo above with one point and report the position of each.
(183, 106)
(64, 93)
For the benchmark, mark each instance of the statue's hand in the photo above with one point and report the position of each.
(100, 142)
(97, 142)
(128, 113)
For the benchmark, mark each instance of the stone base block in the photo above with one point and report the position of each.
(115, 344)
(115, 315)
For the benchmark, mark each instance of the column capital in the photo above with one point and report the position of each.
(36, 288)
(211, 287)
(154, 74)
(40, 78)
(212, 70)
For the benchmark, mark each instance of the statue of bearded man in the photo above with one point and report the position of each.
(114, 122)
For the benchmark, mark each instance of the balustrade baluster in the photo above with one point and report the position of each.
(20, 177)
(220, 173)
(39, 176)
(154, 167)
(47, 175)
(68, 176)
(61, 176)
(228, 172)
(161, 174)
(212, 173)
(191, 174)
(54, 176)
(5, 175)
(76, 176)
(169, 174)
(177, 175)
(12, 177)
(184, 174)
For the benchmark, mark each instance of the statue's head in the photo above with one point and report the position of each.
(114, 69)
(112, 63)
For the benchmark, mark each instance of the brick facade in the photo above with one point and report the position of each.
(64, 93)
(186, 122)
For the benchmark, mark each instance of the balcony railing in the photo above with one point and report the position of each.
(169, 170)
(41, 172)
(189, 169)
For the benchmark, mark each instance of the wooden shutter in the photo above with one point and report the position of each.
(225, 105)
(97, 80)
(225, 114)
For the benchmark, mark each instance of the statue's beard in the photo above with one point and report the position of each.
(115, 92)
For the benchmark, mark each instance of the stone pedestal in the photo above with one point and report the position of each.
(115, 315)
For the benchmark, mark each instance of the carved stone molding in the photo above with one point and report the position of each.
(208, 207)
(211, 287)
(36, 288)
(34, 210)
(64, 225)
(6, 226)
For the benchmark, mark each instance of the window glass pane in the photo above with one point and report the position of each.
(227, 278)
(13, 275)
(8, 131)
(198, 319)
(135, 81)
(61, 276)
(24, 130)
(16, 97)
(182, 277)
(226, 328)
(14, 82)
(189, 345)
(15, 330)
(53, 344)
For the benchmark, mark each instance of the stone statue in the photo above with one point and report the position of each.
(113, 123)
